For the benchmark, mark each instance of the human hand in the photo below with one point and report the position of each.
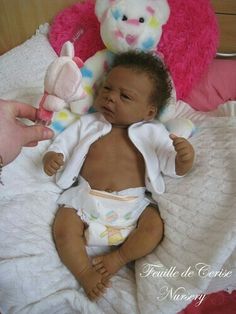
(14, 134)
(52, 162)
(184, 154)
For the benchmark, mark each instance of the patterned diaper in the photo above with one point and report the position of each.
(110, 216)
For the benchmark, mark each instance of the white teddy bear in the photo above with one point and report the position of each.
(125, 24)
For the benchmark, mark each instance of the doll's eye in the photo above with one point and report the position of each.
(107, 88)
(124, 18)
(141, 20)
(125, 96)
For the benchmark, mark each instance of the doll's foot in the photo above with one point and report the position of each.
(93, 283)
(109, 264)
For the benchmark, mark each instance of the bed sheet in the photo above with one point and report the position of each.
(199, 214)
(200, 230)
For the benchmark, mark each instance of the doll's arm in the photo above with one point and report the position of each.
(165, 151)
(52, 162)
(175, 154)
(184, 155)
(61, 149)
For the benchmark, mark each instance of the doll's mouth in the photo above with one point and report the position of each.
(107, 110)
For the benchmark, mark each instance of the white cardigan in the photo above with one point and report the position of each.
(151, 139)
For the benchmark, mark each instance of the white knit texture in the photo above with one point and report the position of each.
(199, 215)
(25, 65)
(198, 211)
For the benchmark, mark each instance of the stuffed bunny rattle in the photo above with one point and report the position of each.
(62, 84)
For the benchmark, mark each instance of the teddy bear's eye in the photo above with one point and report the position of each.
(141, 20)
(124, 18)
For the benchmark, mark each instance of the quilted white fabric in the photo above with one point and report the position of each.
(200, 225)
(199, 215)
(25, 65)
(198, 211)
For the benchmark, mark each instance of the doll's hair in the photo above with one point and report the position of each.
(154, 68)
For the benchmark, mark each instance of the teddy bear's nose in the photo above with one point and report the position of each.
(131, 39)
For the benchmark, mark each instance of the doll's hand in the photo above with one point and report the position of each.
(184, 154)
(52, 162)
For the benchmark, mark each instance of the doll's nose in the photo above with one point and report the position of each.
(111, 96)
(110, 102)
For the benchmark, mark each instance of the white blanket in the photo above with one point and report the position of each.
(198, 211)
(199, 215)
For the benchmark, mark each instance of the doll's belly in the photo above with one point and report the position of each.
(114, 169)
(117, 178)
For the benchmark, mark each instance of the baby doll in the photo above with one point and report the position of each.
(113, 157)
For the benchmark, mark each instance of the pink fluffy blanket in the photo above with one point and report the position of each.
(189, 41)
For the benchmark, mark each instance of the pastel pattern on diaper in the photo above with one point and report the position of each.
(111, 216)
(113, 234)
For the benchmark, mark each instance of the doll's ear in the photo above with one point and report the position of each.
(67, 50)
(151, 112)
(102, 6)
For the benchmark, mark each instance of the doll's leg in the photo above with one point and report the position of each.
(144, 238)
(68, 232)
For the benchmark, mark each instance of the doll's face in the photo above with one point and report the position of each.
(124, 98)
(131, 23)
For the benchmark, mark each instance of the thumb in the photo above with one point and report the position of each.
(173, 136)
(35, 133)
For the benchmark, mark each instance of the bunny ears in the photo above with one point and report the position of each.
(62, 84)
(67, 50)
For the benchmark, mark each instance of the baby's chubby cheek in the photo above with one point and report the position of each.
(99, 101)
(96, 103)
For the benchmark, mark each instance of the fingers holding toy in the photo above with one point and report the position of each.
(52, 162)
(14, 133)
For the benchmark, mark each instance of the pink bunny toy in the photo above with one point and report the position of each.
(62, 84)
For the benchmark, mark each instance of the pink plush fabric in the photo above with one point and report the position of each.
(216, 86)
(78, 24)
(214, 303)
(188, 43)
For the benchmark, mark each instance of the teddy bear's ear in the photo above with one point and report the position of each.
(67, 50)
(162, 10)
(101, 7)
